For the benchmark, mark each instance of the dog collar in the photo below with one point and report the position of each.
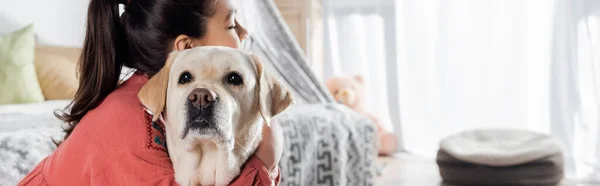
(160, 117)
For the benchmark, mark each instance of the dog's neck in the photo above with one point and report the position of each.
(209, 164)
(205, 165)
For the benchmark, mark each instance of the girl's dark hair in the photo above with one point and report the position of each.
(140, 38)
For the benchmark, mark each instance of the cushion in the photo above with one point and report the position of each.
(17, 76)
(501, 156)
(499, 147)
(56, 71)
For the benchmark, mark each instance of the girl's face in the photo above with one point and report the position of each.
(223, 29)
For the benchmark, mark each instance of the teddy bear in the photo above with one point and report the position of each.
(350, 91)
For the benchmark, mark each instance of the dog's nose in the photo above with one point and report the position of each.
(202, 97)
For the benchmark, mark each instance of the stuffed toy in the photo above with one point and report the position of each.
(350, 91)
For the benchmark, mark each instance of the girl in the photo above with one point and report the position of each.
(111, 139)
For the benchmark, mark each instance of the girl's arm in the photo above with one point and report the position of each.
(255, 173)
(154, 168)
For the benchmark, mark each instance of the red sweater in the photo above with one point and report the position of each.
(118, 144)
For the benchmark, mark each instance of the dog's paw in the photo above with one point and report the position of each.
(206, 182)
(226, 175)
(223, 182)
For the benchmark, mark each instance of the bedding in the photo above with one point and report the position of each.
(26, 131)
(15, 117)
(327, 144)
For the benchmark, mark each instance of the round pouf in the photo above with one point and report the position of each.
(500, 156)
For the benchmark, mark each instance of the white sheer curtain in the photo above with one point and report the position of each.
(525, 64)
(359, 40)
(575, 100)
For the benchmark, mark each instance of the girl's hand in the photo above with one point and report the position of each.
(270, 148)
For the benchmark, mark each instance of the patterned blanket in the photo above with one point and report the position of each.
(25, 133)
(327, 144)
(21, 151)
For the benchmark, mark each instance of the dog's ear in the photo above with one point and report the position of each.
(273, 98)
(153, 94)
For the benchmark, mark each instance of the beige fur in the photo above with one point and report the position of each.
(214, 158)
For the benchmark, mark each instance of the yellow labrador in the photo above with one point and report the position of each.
(215, 101)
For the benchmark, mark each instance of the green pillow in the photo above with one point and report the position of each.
(18, 80)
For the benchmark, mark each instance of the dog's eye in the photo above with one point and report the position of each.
(185, 77)
(234, 78)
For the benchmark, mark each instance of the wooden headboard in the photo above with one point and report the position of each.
(304, 18)
(300, 15)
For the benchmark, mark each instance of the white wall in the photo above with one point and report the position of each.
(57, 22)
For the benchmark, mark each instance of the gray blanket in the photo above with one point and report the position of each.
(22, 150)
(327, 145)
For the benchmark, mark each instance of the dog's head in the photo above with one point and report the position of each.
(214, 94)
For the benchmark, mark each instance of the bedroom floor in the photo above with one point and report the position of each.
(409, 170)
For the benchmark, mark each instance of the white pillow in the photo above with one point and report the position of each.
(499, 147)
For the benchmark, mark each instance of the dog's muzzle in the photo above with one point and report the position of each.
(201, 111)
